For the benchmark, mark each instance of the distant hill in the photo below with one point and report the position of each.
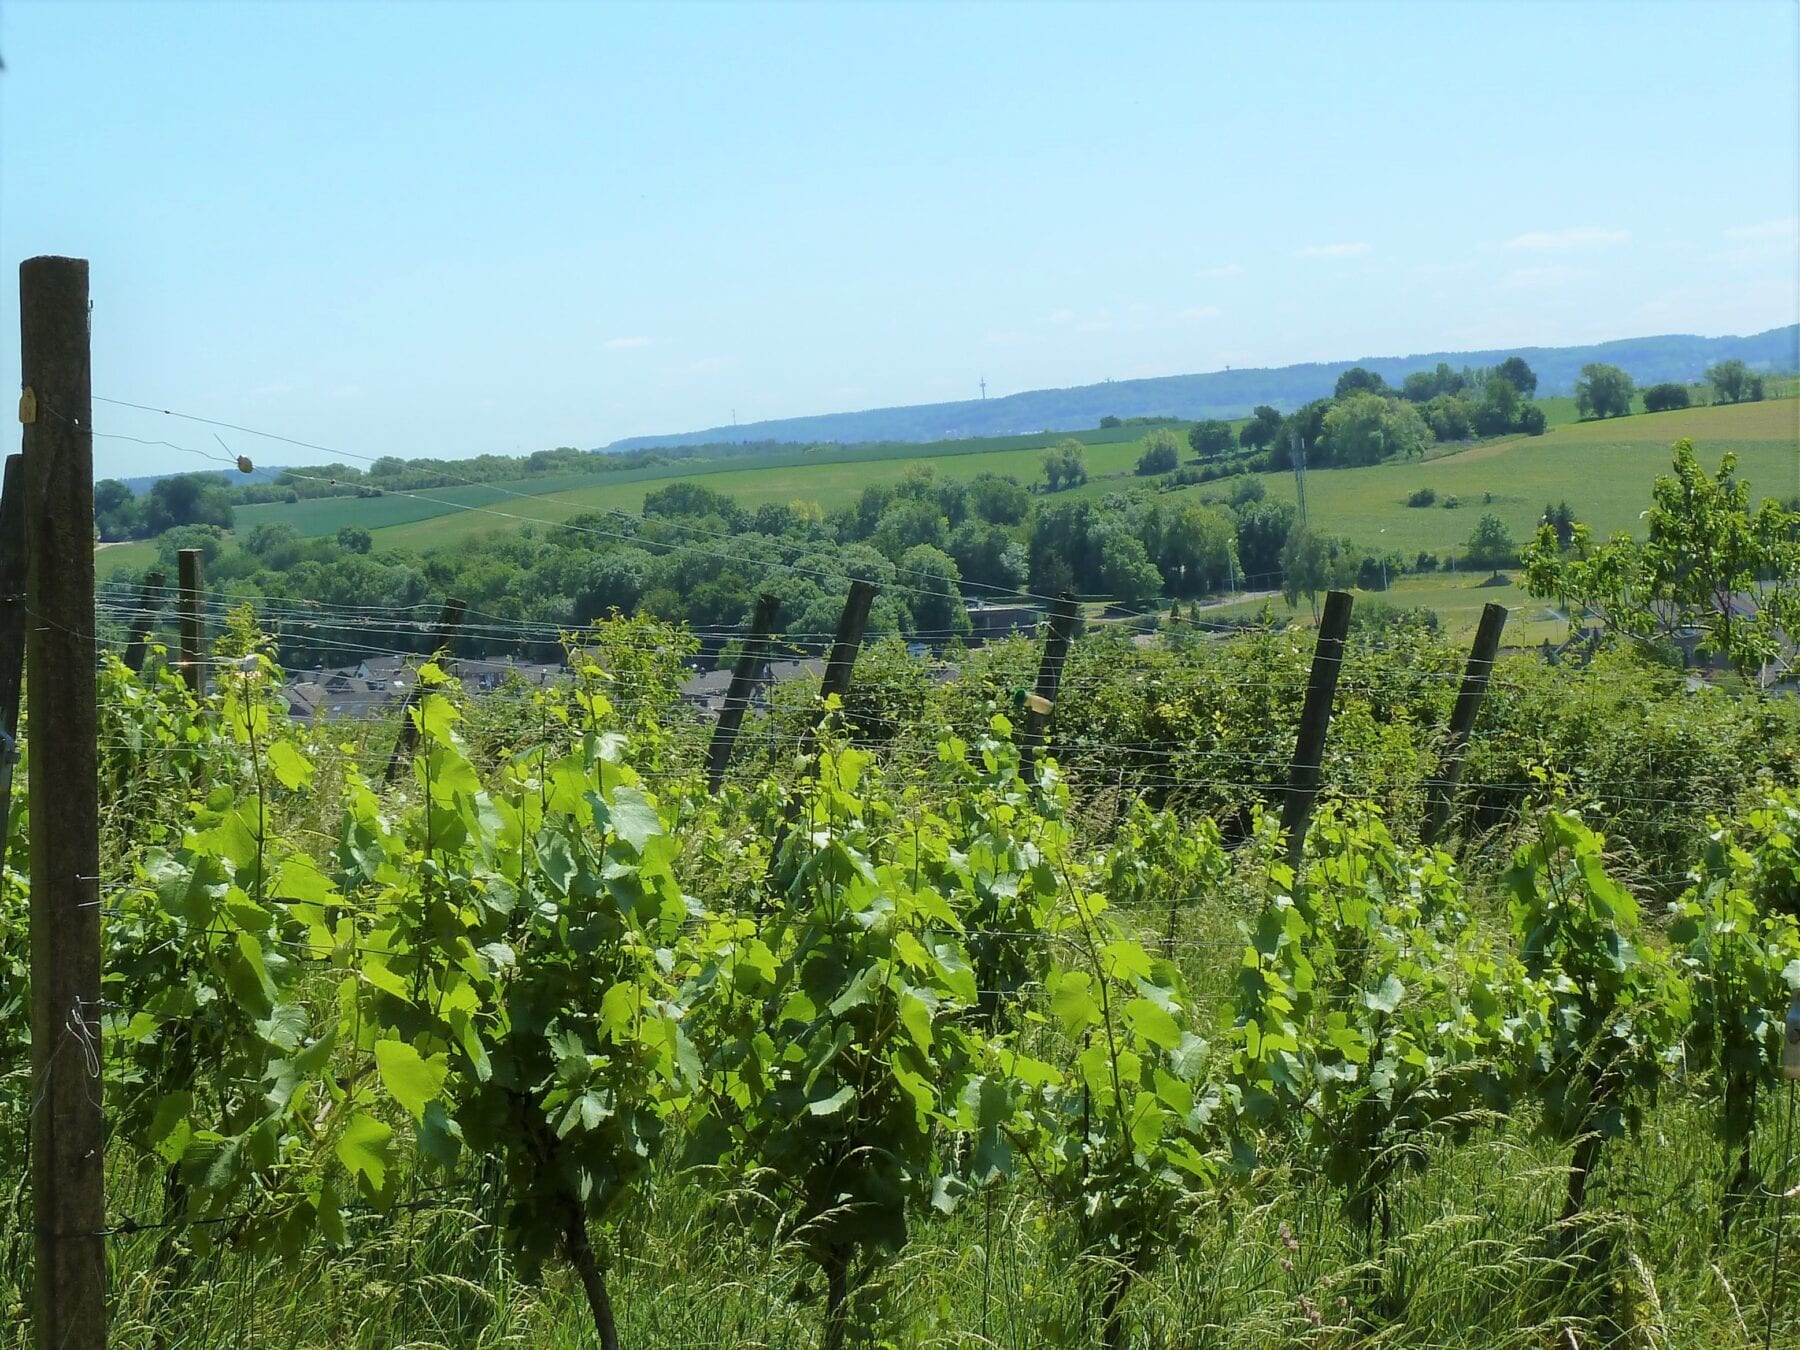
(261, 474)
(1233, 393)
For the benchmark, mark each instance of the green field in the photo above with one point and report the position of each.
(1604, 470)
(1456, 598)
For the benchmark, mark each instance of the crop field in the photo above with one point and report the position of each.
(1604, 470)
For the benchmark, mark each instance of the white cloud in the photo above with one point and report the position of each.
(1062, 316)
(1202, 312)
(1576, 236)
(1543, 278)
(1768, 229)
(620, 344)
(1215, 273)
(1331, 250)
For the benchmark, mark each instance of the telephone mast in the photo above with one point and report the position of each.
(1300, 476)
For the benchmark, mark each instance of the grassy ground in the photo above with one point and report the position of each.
(1458, 600)
(1604, 470)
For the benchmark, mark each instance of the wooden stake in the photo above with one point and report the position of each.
(1315, 721)
(12, 628)
(448, 622)
(149, 601)
(851, 625)
(1442, 789)
(1065, 611)
(68, 1130)
(737, 698)
(192, 601)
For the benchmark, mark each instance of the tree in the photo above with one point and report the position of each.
(354, 539)
(1262, 530)
(1492, 544)
(1065, 464)
(1450, 418)
(1603, 391)
(1730, 381)
(1262, 428)
(1357, 380)
(1126, 572)
(1367, 428)
(1162, 452)
(1665, 397)
(117, 512)
(1109, 422)
(187, 499)
(933, 592)
(1211, 438)
(1424, 385)
(999, 500)
(1305, 560)
(1499, 407)
(1710, 564)
(1561, 518)
(908, 522)
(1193, 547)
(987, 556)
(1519, 375)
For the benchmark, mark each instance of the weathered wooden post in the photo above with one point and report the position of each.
(737, 698)
(68, 1134)
(448, 622)
(12, 627)
(1315, 722)
(138, 643)
(842, 662)
(1441, 789)
(1040, 706)
(191, 601)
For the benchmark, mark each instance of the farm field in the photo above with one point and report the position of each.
(1457, 600)
(1604, 470)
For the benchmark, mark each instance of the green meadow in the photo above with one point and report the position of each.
(1603, 470)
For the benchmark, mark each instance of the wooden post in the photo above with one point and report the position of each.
(68, 1130)
(844, 647)
(12, 628)
(448, 622)
(1065, 610)
(743, 679)
(1442, 789)
(149, 599)
(192, 602)
(1315, 721)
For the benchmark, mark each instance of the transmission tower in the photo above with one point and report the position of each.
(1300, 477)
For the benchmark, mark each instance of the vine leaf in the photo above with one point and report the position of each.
(366, 1149)
(412, 1080)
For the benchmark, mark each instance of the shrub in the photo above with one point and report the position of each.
(1423, 497)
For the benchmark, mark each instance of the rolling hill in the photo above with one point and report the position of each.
(1233, 393)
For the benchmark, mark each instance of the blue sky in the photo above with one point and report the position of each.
(455, 228)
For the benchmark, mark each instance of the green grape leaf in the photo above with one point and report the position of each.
(366, 1149)
(410, 1079)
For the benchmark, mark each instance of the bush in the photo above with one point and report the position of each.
(1247, 490)
(1423, 497)
(1425, 562)
(1666, 397)
(1451, 502)
(1162, 452)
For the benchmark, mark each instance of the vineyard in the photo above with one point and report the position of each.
(1280, 989)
